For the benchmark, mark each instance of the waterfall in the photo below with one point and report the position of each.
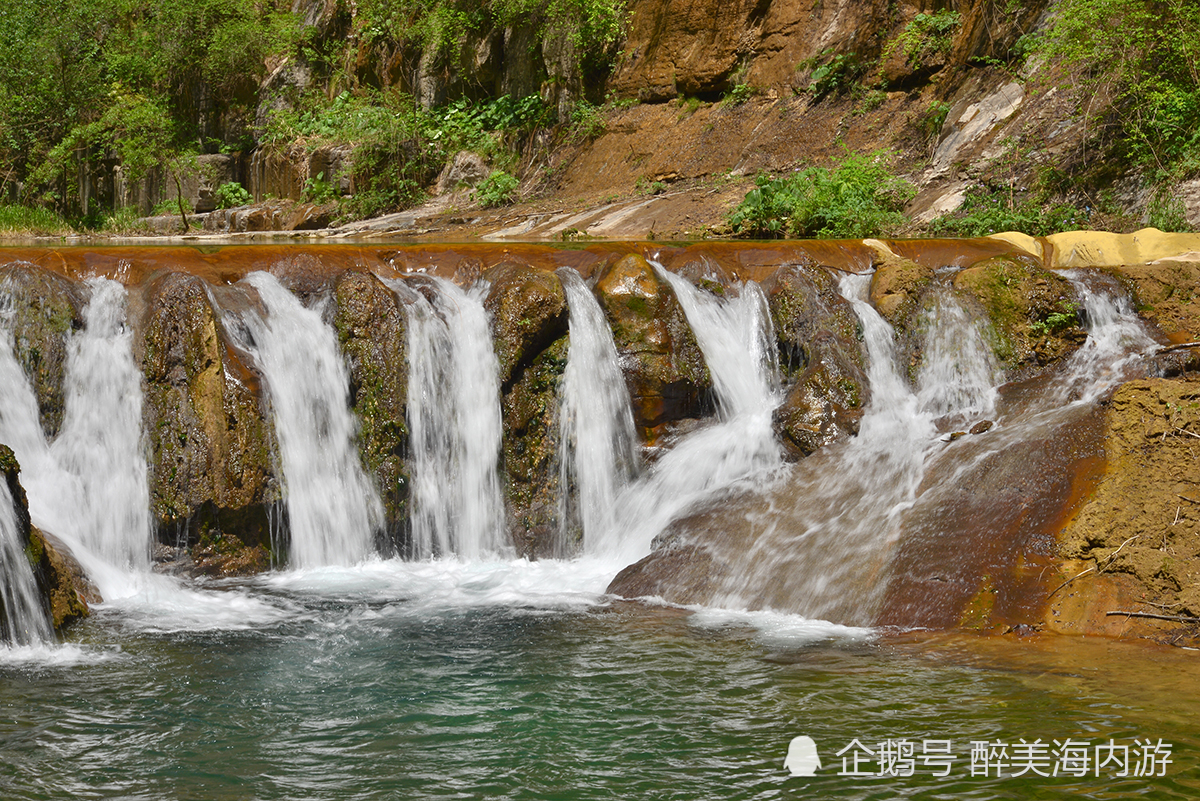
(333, 509)
(737, 340)
(960, 373)
(1117, 339)
(23, 618)
(454, 424)
(101, 440)
(599, 452)
(90, 486)
(823, 533)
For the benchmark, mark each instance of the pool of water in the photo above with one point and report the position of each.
(522, 681)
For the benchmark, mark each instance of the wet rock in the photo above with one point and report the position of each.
(65, 589)
(61, 579)
(211, 480)
(372, 331)
(311, 217)
(531, 442)
(896, 291)
(982, 426)
(46, 307)
(817, 336)
(528, 311)
(1033, 312)
(662, 361)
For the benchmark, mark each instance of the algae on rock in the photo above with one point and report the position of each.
(662, 361)
(372, 332)
(211, 479)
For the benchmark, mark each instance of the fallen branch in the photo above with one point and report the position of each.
(1180, 346)
(1097, 567)
(1186, 498)
(1155, 616)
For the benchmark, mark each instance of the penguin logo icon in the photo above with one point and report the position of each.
(802, 758)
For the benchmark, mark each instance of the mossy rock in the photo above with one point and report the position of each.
(372, 330)
(664, 367)
(46, 308)
(817, 334)
(210, 442)
(1032, 312)
(528, 309)
(61, 580)
(531, 453)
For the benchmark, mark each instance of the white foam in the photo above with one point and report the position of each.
(779, 629)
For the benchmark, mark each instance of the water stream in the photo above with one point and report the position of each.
(596, 423)
(454, 422)
(333, 509)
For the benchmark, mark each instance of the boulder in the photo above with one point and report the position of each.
(211, 476)
(46, 307)
(662, 361)
(372, 331)
(817, 335)
(528, 310)
(1033, 312)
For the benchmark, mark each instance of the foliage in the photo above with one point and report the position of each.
(587, 121)
(933, 118)
(498, 189)
(1057, 322)
(927, 34)
(985, 212)
(833, 74)
(1145, 56)
(231, 194)
(318, 190)
(1166, 212)
(31, 221)
(738, 94)
(857, 198)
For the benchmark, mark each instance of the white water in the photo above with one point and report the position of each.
(737, 341)
(599, 442)
(959, 373)
(823, 534)
(24, 621)
(333, 508)
(1117, 339)
(90, 486)
(454, 425)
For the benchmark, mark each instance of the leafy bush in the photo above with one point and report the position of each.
(857, 198)
(926, 34)
(498, 189)
(318, 190)
(1150, 68)
(230, 195)
(984, 212)
(833, 75)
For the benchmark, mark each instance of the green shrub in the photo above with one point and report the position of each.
(926, 34)
(498, 189)
(230, 195)
(833, 75)
(318, 190)
(857, 198)
(985, 212)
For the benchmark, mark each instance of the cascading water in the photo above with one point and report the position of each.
(823, 533)
(961, 373)
(90, 486)
(454, 424)
(1117, 339)
(333, 509)
(599, 452)
(23, 619)
(101, 441)
(736, 338)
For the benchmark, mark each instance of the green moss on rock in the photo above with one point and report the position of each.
(372, 331)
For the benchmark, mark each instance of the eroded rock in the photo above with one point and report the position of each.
(817, 334)
(372, 330)
(211, 480)
(662, 361)
(45, 308)
(528, 310)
